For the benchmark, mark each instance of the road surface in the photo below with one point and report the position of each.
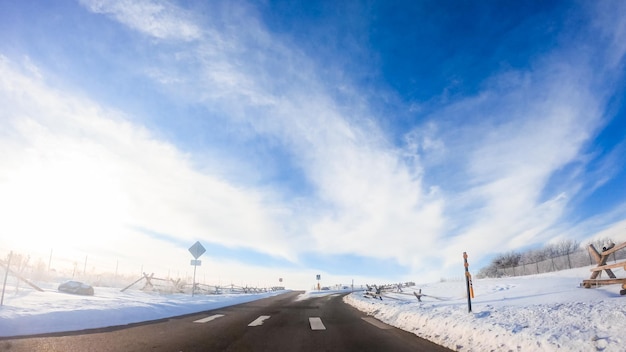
(280, 323)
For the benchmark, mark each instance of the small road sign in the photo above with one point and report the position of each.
(197, 250)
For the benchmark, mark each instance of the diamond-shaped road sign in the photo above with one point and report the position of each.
(196, 250)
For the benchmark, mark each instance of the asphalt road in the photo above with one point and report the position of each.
(280, 323)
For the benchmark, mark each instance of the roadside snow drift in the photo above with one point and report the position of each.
(30, 312)
(548, 312)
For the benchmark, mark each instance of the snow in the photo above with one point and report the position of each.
(547, 312)
(314, 294)
(31, 312)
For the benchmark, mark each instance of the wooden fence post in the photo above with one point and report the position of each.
(468, 282)
(6, 275)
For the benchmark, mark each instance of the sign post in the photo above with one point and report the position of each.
(196, 250)
(468, 283)
(318, 281)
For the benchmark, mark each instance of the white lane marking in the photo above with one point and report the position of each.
(208, 319)
(377, 323)
(316, 323)
(259, 321)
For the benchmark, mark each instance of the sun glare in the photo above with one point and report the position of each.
(72, 201)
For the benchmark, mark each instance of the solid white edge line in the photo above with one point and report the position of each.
(208, 319)
(259, 321)
(316, 323)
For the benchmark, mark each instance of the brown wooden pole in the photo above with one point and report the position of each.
(6, 275)
(467, 283)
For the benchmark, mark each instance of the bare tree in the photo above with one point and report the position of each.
(513, 259)
(565, 247)
(509, 259)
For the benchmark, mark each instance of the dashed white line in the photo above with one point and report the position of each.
(316, 323)
(208, 319)
(259, 321)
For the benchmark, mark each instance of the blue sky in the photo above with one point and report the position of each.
(364, 140)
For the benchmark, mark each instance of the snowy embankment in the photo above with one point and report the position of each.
(547, 312)
(29, 312)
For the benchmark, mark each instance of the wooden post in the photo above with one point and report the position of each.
(468, 283)
(6, 275)
(537, 265)
(50, 260)
(418, 295)
(127, 287)
(601, 259)
(18, 276)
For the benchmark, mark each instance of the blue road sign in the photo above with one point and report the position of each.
(197, 250)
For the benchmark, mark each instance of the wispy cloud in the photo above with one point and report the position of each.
(473, 176)
(159, 19)
(501, 146)
(508, 141)
(608, 18)
(85, 173)
(363, 188)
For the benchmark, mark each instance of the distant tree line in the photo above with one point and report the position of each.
(512, 259)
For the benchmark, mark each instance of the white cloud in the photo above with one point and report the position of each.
(77, 175)
(487, 158)
(525, 129)
(364, 189)
(159, 19)
(608, 17)
(500, 147)
(615, 232)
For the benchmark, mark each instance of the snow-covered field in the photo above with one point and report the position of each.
(31, 312)
(545, 312)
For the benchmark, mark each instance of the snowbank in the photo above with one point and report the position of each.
(546, 312)
(30, 312)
